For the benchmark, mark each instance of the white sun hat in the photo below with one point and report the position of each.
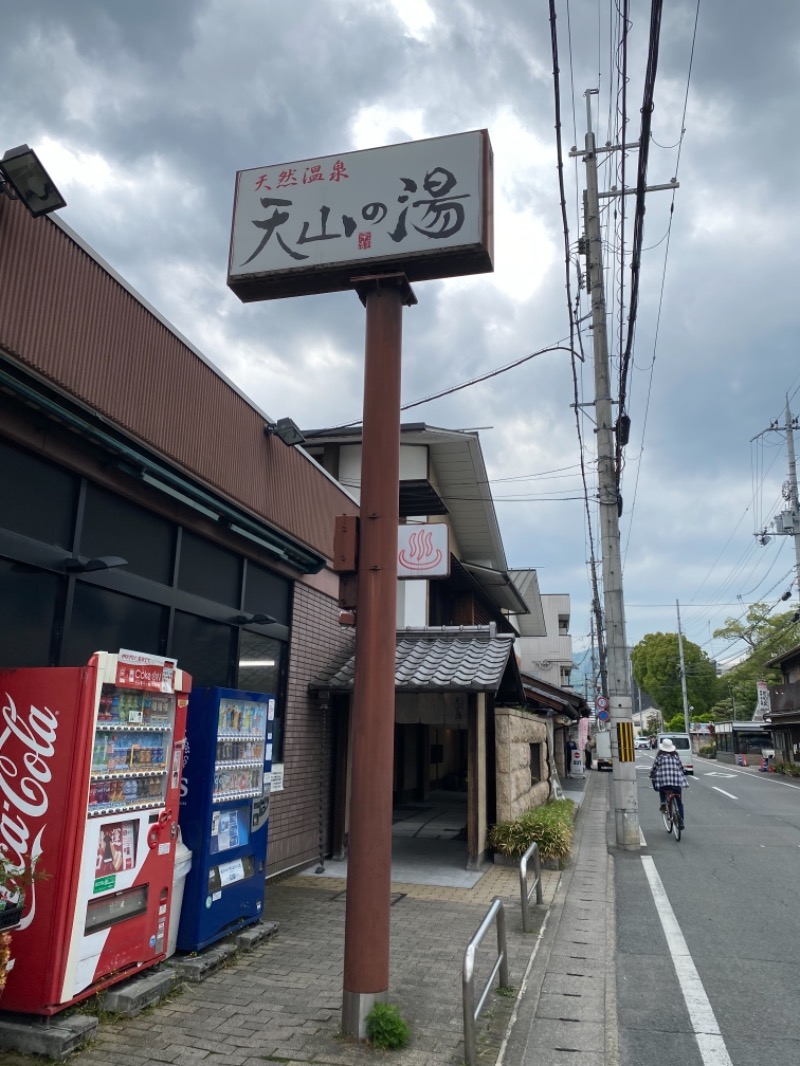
(666, 745)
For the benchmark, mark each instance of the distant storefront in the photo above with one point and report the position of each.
(749, 739)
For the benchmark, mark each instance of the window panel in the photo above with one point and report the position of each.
(204, 649)
(261, 669)
(266, 593)
(39, 498)
(209, 571)
(107, 621)
(29, 597)
(113, 525)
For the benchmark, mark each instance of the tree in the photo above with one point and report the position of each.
(676, 724)
(765, 635)
(657, 671)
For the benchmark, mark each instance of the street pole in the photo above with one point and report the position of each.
(793, 502)
(683, 671)
(787, 523)
(626, 811)
(369, 861)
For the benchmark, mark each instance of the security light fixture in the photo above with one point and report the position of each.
(253, 619)
(22, 170)
(79, 564)
(288, 431)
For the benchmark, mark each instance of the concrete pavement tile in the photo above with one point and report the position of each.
(582, 934)
(546, 1057)
(583, 985)
(568, 1036)
(187, 1056)
(567, 964)
(579, 950)
(590, 1007)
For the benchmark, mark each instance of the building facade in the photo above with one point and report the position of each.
(547, 656)
(782, 719)
(144, 507)
(464, 719)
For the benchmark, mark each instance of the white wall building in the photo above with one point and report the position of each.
(548, 657)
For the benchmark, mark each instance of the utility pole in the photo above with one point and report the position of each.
(792, 486)
(626, 810)
(787, 523)
(683, 672)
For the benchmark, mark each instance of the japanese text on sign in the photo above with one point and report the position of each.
(400, 203)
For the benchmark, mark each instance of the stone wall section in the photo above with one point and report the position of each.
(515, 731)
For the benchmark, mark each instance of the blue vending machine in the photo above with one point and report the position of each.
(224, 812)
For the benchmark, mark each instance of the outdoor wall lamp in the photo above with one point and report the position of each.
(79, 564)
(287, 430)
(253, 619)
(21, 169)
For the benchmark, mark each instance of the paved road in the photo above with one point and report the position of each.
(725, 899)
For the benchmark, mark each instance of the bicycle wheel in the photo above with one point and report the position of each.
(675, 817)
(666, 814)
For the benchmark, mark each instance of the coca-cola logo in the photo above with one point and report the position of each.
(27, 743)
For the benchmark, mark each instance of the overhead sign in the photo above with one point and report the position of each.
(423, 208)
(423, 550)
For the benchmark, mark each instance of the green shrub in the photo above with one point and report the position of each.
(550, 826)
(385, 1028)
(708, 751)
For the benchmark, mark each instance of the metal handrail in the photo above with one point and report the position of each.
(525, 892)
(471, 1012)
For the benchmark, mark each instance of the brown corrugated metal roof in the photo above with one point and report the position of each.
(64, 315)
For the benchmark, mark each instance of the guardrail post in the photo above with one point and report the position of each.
(525, 893)
(471, 1012)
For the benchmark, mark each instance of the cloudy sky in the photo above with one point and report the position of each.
(143, 112)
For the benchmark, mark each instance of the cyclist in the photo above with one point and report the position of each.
(667, 774)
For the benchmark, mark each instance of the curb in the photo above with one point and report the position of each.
(531, 987)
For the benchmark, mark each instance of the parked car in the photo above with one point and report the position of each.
(642, 742)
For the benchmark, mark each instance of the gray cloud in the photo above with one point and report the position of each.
(148, 110)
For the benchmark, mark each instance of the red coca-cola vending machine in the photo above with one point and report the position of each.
(90, 772)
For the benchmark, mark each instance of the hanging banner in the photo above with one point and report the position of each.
(763, 707)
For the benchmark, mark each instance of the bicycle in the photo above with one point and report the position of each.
(670, 812)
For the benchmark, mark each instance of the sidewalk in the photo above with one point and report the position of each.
(281, 1001)
(566, 1012)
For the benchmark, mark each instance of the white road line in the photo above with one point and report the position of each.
(761, 777)
(643, 842)
(704, 1023)
(724, 793)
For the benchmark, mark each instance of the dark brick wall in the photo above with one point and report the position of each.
(297, 813)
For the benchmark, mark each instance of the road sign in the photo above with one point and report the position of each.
(603, 716)
(601, 703)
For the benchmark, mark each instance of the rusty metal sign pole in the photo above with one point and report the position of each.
(369, 858)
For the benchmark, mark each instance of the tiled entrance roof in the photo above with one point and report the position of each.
(444, 659)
